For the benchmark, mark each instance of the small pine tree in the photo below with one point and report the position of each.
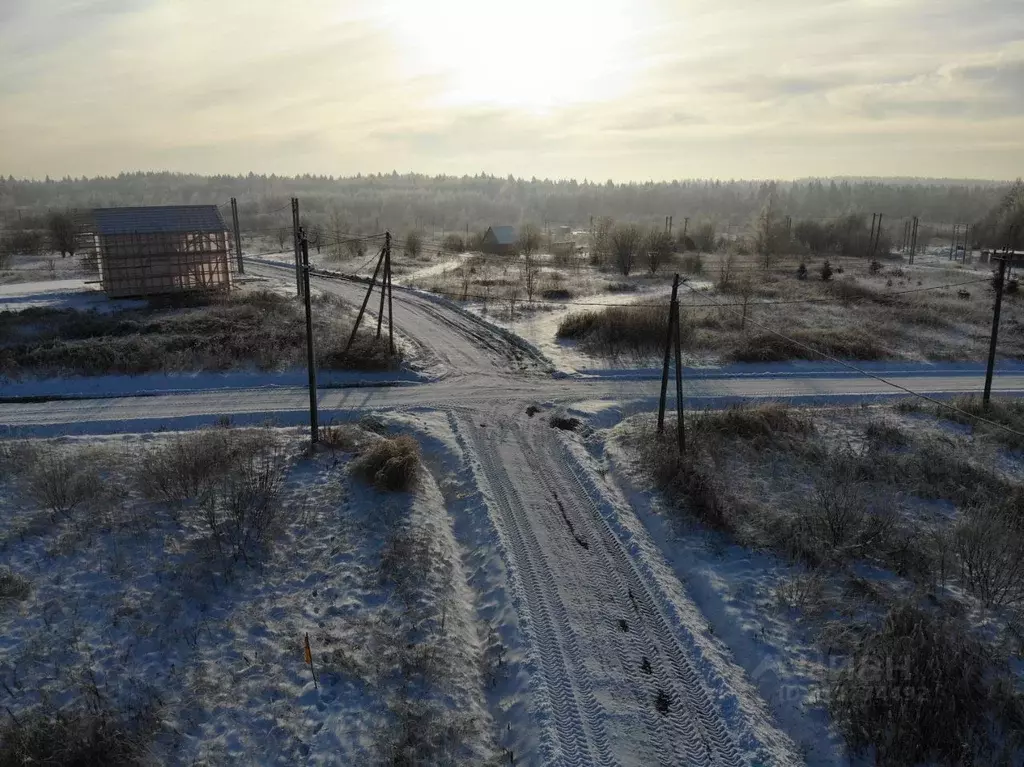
(875, 267)
(801, 271)
(826, 272)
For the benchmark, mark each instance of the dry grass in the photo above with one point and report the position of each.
(390, 464)
(845, 343)
(920, 690)
(621, 331)
(210, 333)
(77, 738)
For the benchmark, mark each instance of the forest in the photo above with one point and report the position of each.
(402, 202)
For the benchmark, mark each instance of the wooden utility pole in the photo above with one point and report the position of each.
(952, 242)
(673, 338)
(366, 299)
(686, 224)
(878, 236)
(385, 289)
(314, 426)
(680, 426)
(238, 235)
(295, 239)
(668, 355)
(1000, 279)
(913, 238)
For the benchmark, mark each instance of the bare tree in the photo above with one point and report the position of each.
(528, 244)
(413, 244)
(704, 237)
(658, 247)
(63, 233)
(626, 241)
(601, 244)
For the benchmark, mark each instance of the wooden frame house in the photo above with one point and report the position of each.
(161, 249)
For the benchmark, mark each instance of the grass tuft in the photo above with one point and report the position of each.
(390, 464)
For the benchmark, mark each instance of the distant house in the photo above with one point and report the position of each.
(500, 240)
(160, 249)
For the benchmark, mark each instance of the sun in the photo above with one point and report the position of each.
(530, 55)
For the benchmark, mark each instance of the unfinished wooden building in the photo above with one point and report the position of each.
(161, 249)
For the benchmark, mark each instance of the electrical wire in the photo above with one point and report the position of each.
(876, 377)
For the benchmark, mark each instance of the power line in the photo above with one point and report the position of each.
(876, 377)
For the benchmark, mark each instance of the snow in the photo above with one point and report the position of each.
(172, 383)
(59, 294)
(130, 603)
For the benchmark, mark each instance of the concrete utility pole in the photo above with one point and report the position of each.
(673, 335)
(952, 242)
(878, 236)
(238, 235)
(1000, 279)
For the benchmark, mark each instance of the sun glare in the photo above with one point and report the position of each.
(533, 55)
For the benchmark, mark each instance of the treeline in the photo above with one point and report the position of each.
(412, 201)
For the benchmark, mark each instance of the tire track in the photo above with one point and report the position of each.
(689, 685)
(578, 718)
(678, 741)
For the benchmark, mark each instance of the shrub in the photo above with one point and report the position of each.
(692, 263)
(187, 466)
(76, 739)
(621, 287)
(13, 587)
(883, 432)
(849, 289)
(1012, 286)
(916, 690)
(875, 266)
(557, 294)
(243, 511)
(990, 550)
(453, 243)
(342, 437)
(826, 272)
(60, 483)
(390, 464)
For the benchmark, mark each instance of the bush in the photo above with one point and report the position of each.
(243, 511)
(826, 271)
(692, 263)
(453, 243)
(557, 294)
(75, 739)
(60, 483)
(13, 587)
(390, 464)
(801, 271)
(621, 287)
(917, 690)
(990, 550)
(187, 466)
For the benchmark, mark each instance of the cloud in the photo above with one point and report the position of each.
(734, 88)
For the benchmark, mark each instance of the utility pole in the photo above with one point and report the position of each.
(878, 236)
(385, 289)
(238, 236)
(314, 426)
(952, 242)
(871, 236)
(686, 225)
(295, 238)
(1000, 279)
(668, 356)
(913, 238)
(680, 425)
(967, 232)
(671, 221)
(369, 292)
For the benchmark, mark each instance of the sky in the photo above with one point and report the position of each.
(598, 89)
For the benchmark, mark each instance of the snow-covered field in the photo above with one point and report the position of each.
(189, 633)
